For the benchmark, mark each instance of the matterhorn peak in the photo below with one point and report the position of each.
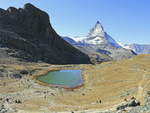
(97, 30)
(97, 22)
(99, 26)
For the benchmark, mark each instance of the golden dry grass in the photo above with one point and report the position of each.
(111, 82)
(105, 85)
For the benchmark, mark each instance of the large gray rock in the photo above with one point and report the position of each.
(133, 103)
(28, 30)
(3, 73)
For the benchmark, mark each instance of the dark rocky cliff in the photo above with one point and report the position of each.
(28, 30)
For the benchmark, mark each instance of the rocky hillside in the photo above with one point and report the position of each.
(109, 87)
(28, 35)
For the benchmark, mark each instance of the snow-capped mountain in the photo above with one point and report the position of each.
(98, 41)
(97, 36)
(126, 46)
(138, 48)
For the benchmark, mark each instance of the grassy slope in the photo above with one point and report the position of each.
(110, 82)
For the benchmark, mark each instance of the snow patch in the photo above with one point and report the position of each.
(126, 46)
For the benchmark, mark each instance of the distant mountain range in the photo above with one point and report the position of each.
(99, 41)
(138, 48)
(98, 37)
(33, 39)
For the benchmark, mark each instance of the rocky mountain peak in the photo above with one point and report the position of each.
(28, 30)
(97, 22)
(99, 26)
(97, 30)
(98, 37)
(29, 6)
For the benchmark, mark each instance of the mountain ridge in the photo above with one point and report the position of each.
(35, 38)
(101, 42)
(97, 36)
(138, 48)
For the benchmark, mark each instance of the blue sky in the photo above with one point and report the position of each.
(127, 21)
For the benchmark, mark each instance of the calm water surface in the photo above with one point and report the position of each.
(65, 78)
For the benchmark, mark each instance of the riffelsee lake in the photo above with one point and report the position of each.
(63, 78)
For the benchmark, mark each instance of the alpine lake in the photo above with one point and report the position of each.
(62, 78)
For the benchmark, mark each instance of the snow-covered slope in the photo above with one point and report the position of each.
(99, 41)
(126, 46)
(97, 36)
(138, 48)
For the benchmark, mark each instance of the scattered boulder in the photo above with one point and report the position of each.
(148, 93)
(9, 100)
(3, 73)
(133, 103)
(99, 101)
(24, 72)
(121, 107)
(17, 101)
(16, 75)
(83, 94)
(3, 109)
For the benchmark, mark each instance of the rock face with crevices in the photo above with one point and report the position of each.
(28, 32)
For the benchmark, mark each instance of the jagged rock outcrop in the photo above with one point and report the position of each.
(28, 30)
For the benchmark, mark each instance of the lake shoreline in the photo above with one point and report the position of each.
(106, 86)
(42, 73)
